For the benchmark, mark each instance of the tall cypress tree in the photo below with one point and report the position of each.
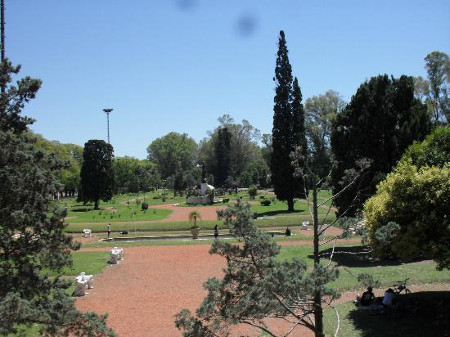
(286, 187)
(298, 133)
(223, 147)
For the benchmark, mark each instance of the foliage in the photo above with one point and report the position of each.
(417, 200)
(320, 112)
(132, 175)
(256, 286)
(173, 153)
(288, 129)
(97, 176)
(381, 121)
(257, 173)
(72, 155)
(223, 149)
(252, 192)
(265, 202)
(367, 280)
(435, 91)
(243, 149)
(193, 216)
(32, 238)
(433, 151)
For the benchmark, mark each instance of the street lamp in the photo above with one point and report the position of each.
(108, 111)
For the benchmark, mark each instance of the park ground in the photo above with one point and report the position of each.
(158, 278)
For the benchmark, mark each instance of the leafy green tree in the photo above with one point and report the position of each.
(175, 156)
(33, 243)
(72, 155)
(437, 65)
(97, 175)
(381, 121)
(243, 148)
(408, 217)
(320, 112)
(256, 286)
(257, 173)
(288, 128)
(223, 156)
(132, 175)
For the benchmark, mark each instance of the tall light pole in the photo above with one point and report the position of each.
(107, 112)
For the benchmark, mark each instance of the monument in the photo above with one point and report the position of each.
(206, 194)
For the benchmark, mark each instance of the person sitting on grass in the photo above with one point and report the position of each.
(366, 299)
(388, 300)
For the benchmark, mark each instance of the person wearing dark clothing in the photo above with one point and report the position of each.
(288, 231)
(216, 231)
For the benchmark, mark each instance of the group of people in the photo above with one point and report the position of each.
(368, 299)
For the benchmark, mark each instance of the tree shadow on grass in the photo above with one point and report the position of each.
(418, 314)
(280, 212)
(355, 256)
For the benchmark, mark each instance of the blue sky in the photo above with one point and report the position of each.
(177, 65)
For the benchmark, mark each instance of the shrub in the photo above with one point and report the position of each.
(144, 206)
(414, 204)
(265, 202)
(225, 200)
(252, 192)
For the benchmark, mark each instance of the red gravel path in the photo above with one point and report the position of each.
(144, 291)
(182, 213)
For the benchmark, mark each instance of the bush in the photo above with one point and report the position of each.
(414, 203)
(265, 202)
(225, 200)
(144, 206)
(252, 192)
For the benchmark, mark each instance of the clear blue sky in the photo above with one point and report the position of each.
(177, 65)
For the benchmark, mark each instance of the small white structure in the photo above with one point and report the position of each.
(87, 233)
(116, 254)
(83, 282)
(305, 225)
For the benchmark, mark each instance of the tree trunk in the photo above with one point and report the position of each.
(318, 313)
(290, 204)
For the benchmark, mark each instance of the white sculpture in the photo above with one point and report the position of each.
(87, 233)
(83, 282)
(305, 225)
(116, 254)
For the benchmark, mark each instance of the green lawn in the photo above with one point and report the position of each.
(91, 263)
(387, 272)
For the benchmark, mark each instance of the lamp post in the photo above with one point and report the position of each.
(107, 112)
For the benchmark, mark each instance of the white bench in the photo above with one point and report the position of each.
(87, 233)
(115, 255)
(83, 282)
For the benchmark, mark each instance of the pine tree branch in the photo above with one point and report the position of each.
(261, 327)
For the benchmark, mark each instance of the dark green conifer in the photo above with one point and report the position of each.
(32, 238)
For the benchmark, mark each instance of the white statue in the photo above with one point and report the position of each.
(116, 254)
(83, 282)
(87, 233)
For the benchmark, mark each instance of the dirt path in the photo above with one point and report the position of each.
(182, 213)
